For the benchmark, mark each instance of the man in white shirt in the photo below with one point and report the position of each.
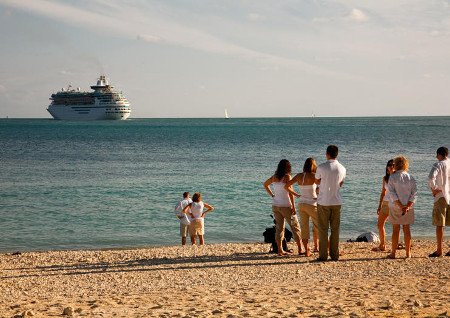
(184, 221)
(330, 178)
(439, 182)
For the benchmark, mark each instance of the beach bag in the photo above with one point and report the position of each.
(369, 237)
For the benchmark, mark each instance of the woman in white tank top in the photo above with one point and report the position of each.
(283, 205)
(307, 206)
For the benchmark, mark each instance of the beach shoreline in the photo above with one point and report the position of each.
(224, 280)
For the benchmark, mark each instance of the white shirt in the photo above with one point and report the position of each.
(331, 174)
(197, 210)
(439, 179)
(181, 205)
(281, 195)
(402, 187)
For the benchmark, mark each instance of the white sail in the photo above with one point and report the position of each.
(226, 114)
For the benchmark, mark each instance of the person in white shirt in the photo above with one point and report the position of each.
(439, 182)
(283, 206)
(197, 214)
(330, 177)
(307, 202)
(383, 207)
(403, 193)
(184, 220)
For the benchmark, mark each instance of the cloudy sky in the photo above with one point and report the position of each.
(259, 58)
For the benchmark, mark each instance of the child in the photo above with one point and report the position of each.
(197, 226)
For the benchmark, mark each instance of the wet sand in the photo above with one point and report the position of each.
(224, 280)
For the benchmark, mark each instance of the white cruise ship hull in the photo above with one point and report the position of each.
(87, 112)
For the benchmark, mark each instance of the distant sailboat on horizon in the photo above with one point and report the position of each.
(226, 114)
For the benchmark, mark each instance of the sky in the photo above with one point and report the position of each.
(260, 58)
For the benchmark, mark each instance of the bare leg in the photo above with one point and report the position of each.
(201, 239)
(439, 239)
(183, 240)
(407, 235)
(299, 245)
(280, 248)
(315, 239)
(193, 239)
(305, 245)
(381, 222)
(395, 239)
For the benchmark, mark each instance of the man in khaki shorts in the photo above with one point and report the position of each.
(439, 182)
(184, 221)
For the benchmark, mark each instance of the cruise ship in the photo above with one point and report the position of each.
(103, 103)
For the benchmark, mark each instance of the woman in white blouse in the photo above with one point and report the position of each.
(403, 192)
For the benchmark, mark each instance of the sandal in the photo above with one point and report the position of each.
(435, 254)
(447, 254)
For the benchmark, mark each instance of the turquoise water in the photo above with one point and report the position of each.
(108, 184)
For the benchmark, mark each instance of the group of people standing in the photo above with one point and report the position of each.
(398, 195)
(320, 201)
(191, 213)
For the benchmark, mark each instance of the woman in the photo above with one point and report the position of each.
(402, 192)
(383, 207)
(307, 206)
(283, 205)
(197, 214)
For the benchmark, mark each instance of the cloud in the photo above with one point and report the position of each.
(358, 16)
(255, 17)
(149, 24)
(148, 38)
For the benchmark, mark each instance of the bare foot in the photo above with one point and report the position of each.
(308, 253)
(379, 249)
(284, 253)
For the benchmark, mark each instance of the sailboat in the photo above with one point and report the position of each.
(226, 114)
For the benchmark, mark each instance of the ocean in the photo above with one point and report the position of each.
(114, 184)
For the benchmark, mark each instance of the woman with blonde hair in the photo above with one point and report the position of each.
(283, 206)
(383, 207)
(307, 203)
(403, 193)
(197, 214)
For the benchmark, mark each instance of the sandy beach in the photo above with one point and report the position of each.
(224, 280)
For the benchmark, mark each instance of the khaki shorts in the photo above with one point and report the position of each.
(306, 211)
(184, 230)
(197, 227)
(441, 213)
(385, 208)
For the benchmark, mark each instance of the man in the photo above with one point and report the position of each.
(184, 221)
(439, 182)
(330, 178)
